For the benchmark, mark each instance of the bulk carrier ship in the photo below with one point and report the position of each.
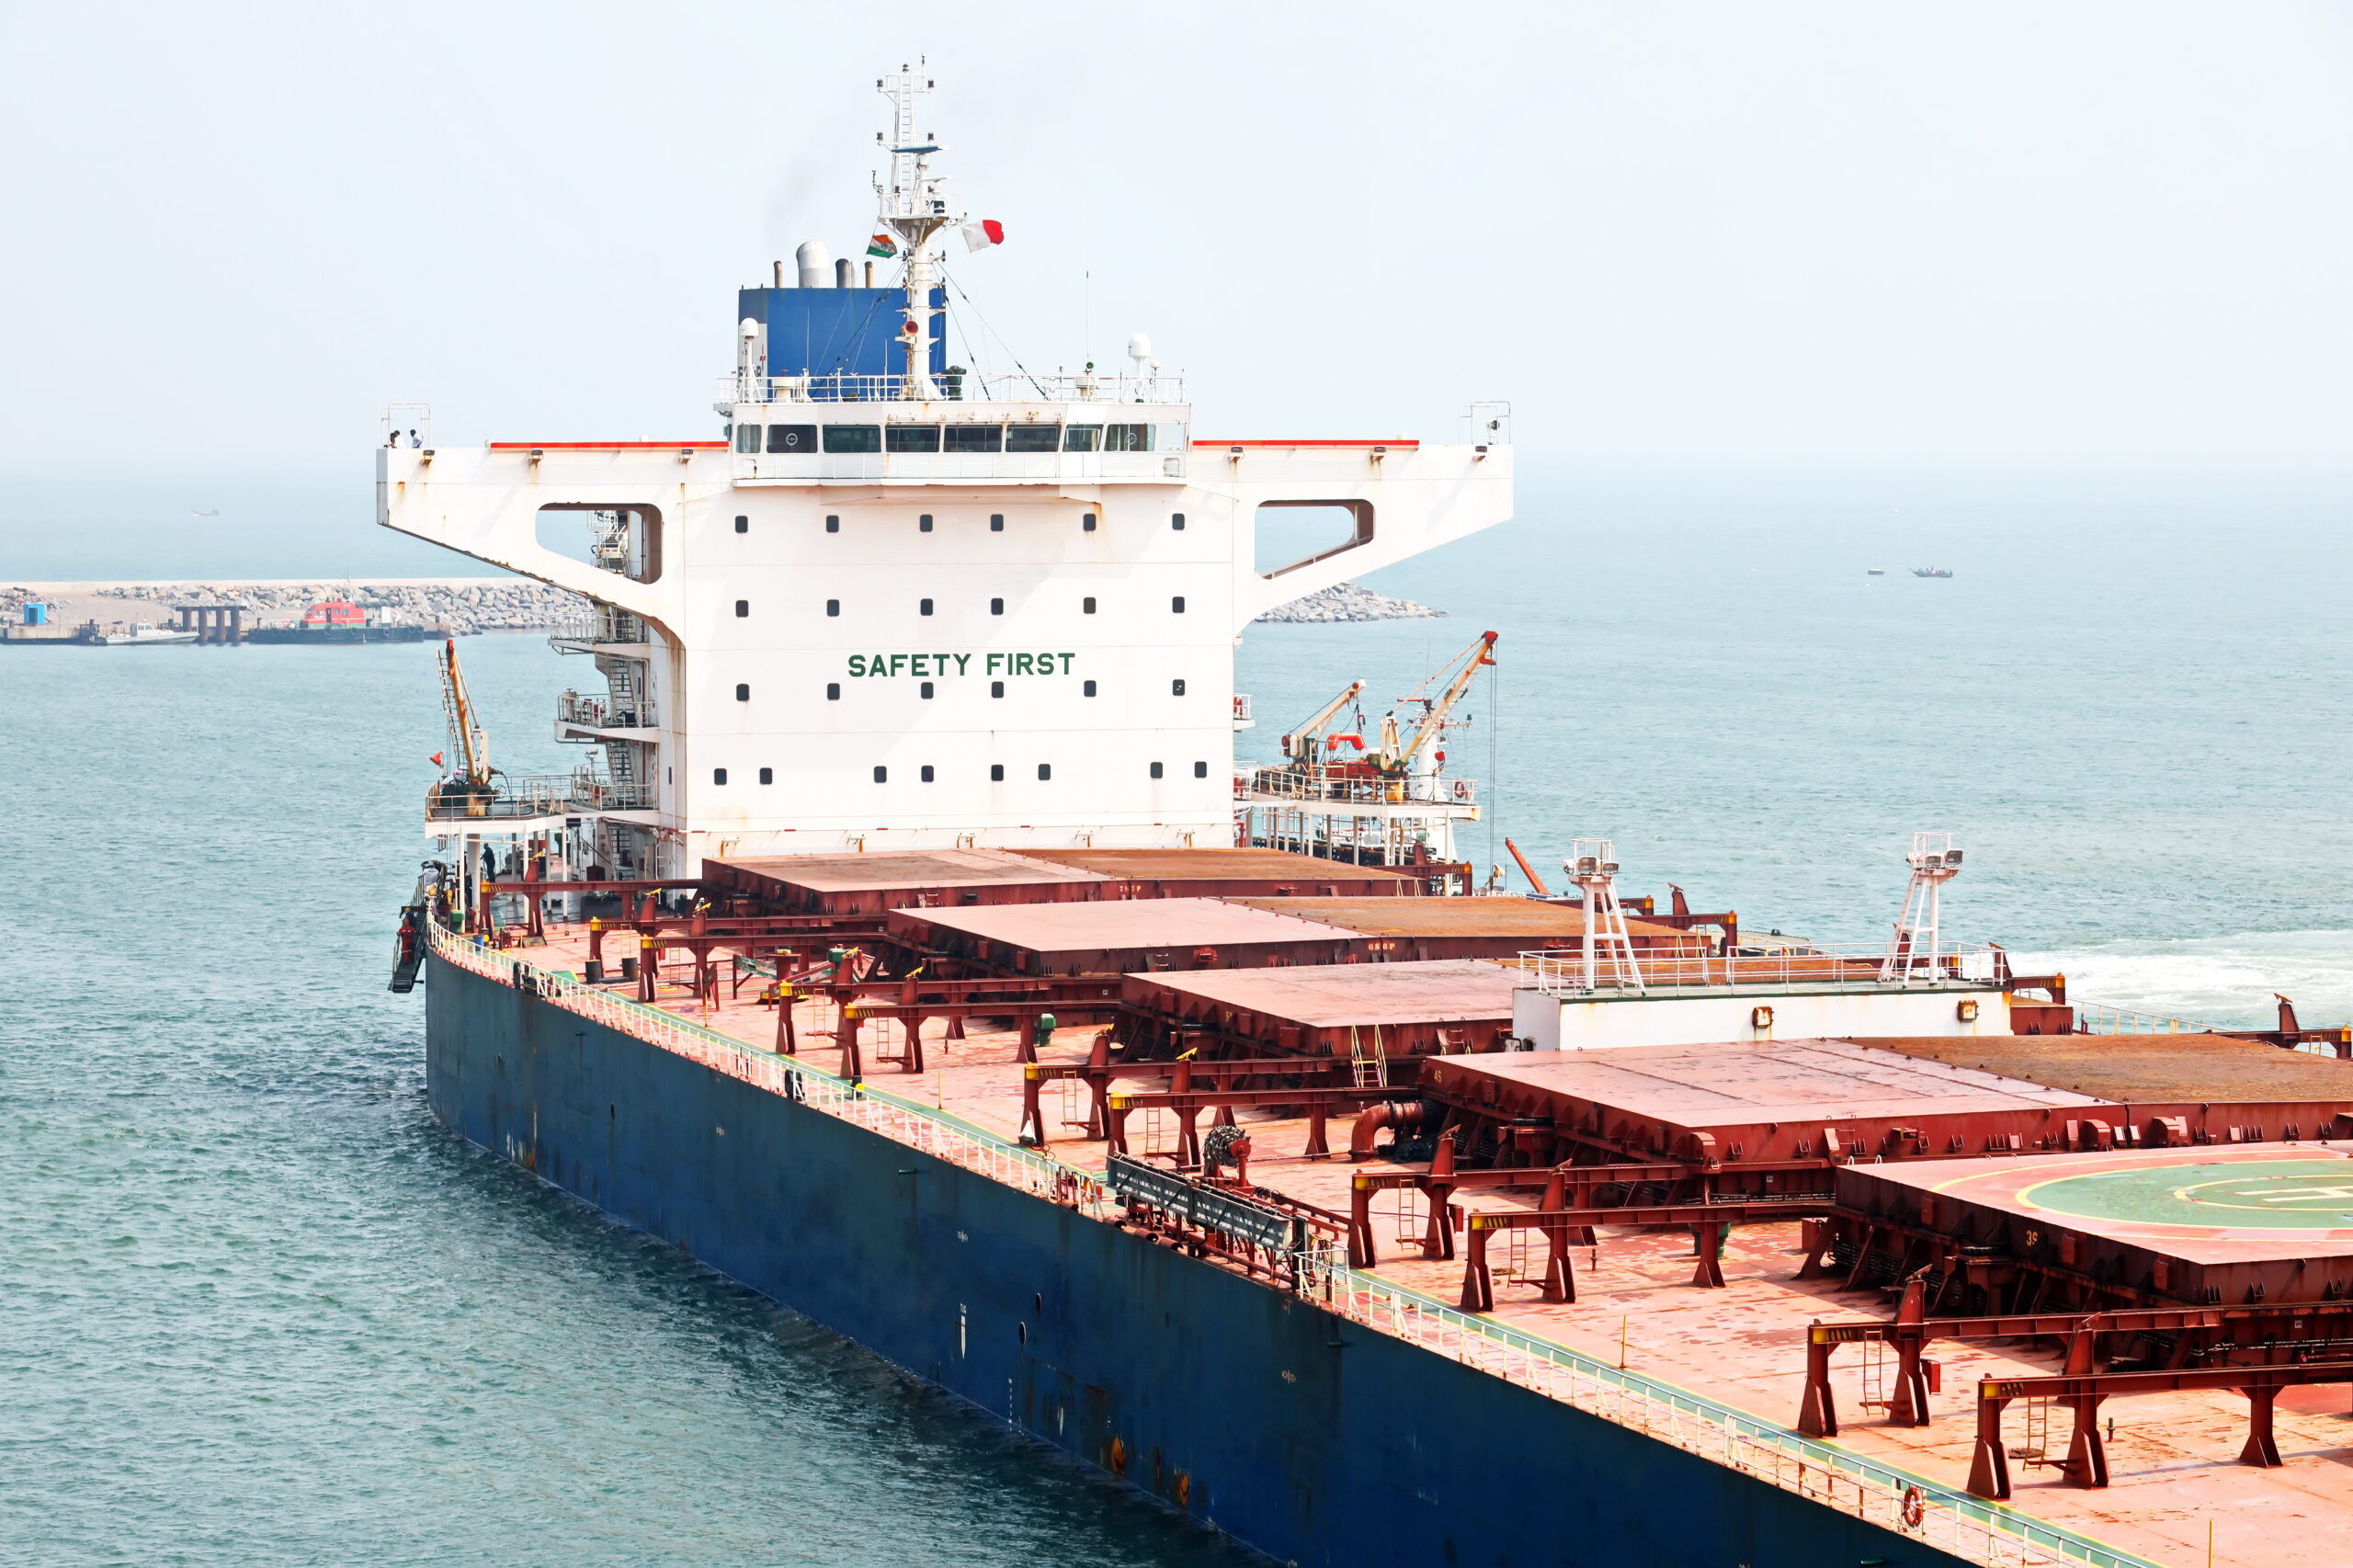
(912, 949)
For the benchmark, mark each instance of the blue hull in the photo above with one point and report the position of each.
(1309, 1438)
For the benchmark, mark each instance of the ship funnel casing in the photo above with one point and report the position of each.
(844, 274)
(815, 264)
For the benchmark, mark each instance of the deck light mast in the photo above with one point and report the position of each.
(915, 207)
(1911, 947)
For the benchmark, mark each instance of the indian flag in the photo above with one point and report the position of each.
(881, 245)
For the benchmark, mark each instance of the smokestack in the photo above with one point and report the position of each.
(844, 274)
(779, 274)
(815, 264)
(869, 274)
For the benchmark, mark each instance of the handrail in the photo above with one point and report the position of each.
(1952, 1521)
(1986, 1533)
(934, 1131)
(1561, 971)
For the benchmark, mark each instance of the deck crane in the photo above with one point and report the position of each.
(1303, 748)
(471, 776)
(1397, 757)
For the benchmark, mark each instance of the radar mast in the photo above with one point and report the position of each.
(914, 208)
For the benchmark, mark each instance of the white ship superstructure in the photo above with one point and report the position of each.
(902, 605)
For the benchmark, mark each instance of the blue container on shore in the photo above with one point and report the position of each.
(36, 614)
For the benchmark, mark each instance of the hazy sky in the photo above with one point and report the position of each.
(1873, 232)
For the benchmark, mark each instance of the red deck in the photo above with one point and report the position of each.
(2173, 1457)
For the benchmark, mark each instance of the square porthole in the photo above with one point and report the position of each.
(1086, 524)
(1175, 688)
(833, 607)
(718, 775)
(832, 691)
(767, 774)
(1200, 770)
(743, 524)
(1177, 605)
(996, 773)
(927, 773)
(1045, 770)
(923, 524)
(996, 522)
(1087, 690)
(1156, 770)
(996, 606)
(833, 525)
(743, 608)
(1087, 605)
(881, 776)
(1176, 521)
(923, 606)
(996, 688)
(742, 692)
(925, 690)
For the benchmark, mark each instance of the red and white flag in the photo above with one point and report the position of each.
(984, 233)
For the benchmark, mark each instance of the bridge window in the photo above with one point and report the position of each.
(794, 439)
(1033, 438)
(975, 438)
(1082, 437)
(912, 437)
(747, 437)
(853, 437)
(1127, 437)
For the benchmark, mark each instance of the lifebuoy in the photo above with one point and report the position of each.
(1462, 789)
(1916, 1507)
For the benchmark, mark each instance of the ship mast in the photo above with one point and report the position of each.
(915, 209)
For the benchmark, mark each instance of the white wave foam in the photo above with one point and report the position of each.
(2214, 979)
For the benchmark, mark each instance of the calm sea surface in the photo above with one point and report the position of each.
(257, 1307)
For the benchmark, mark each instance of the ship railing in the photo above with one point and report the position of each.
(1289, 784)
(956, 387)
(1561, 971)
(925, 1128)
(603, 625)
(1911, 1505)
(2099, 1017)
(519, 795)
(606, 712)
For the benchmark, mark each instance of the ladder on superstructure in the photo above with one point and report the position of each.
(1369, 1058)
(1606, 946)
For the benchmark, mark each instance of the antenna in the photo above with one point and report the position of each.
(1912, 949)
(1606, 944)
(915, 207)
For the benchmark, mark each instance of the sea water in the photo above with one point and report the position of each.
(256, 1307)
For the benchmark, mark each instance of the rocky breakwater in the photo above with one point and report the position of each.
(1347, 601)
(463, 605)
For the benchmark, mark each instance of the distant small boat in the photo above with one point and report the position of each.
(143, 634)
(1932, 571)
(1876, 572)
